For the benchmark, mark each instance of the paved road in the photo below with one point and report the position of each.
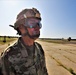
(60, 58)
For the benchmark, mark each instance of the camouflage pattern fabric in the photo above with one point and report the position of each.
(17, 60)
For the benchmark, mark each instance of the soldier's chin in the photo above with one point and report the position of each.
(36, 36)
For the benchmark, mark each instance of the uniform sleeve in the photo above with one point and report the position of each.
(5, 65)
(43, 62)
(44, 66)
(0, 67)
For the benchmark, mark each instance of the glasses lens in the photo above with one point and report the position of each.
(40, 25)
(33, 25)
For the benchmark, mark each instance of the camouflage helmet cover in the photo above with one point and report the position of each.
(26, 13)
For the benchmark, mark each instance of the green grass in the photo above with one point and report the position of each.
(7, 39)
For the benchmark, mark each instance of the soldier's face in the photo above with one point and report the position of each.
(35, 30)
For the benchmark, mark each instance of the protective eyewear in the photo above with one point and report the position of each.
(33, 25)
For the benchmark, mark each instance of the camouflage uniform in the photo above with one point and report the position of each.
(18, 60)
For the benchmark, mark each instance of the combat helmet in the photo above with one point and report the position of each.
(24, 14)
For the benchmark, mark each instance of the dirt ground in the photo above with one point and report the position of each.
(6, 45)
(60, 58)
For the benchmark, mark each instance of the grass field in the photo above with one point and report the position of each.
(6, 40)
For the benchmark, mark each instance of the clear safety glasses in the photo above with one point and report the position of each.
(33, 24)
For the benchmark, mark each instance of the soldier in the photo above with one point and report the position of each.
(25, 57)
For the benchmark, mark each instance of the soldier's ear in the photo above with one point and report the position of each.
(21, 27)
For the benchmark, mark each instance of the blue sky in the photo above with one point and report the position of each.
(58, 16)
